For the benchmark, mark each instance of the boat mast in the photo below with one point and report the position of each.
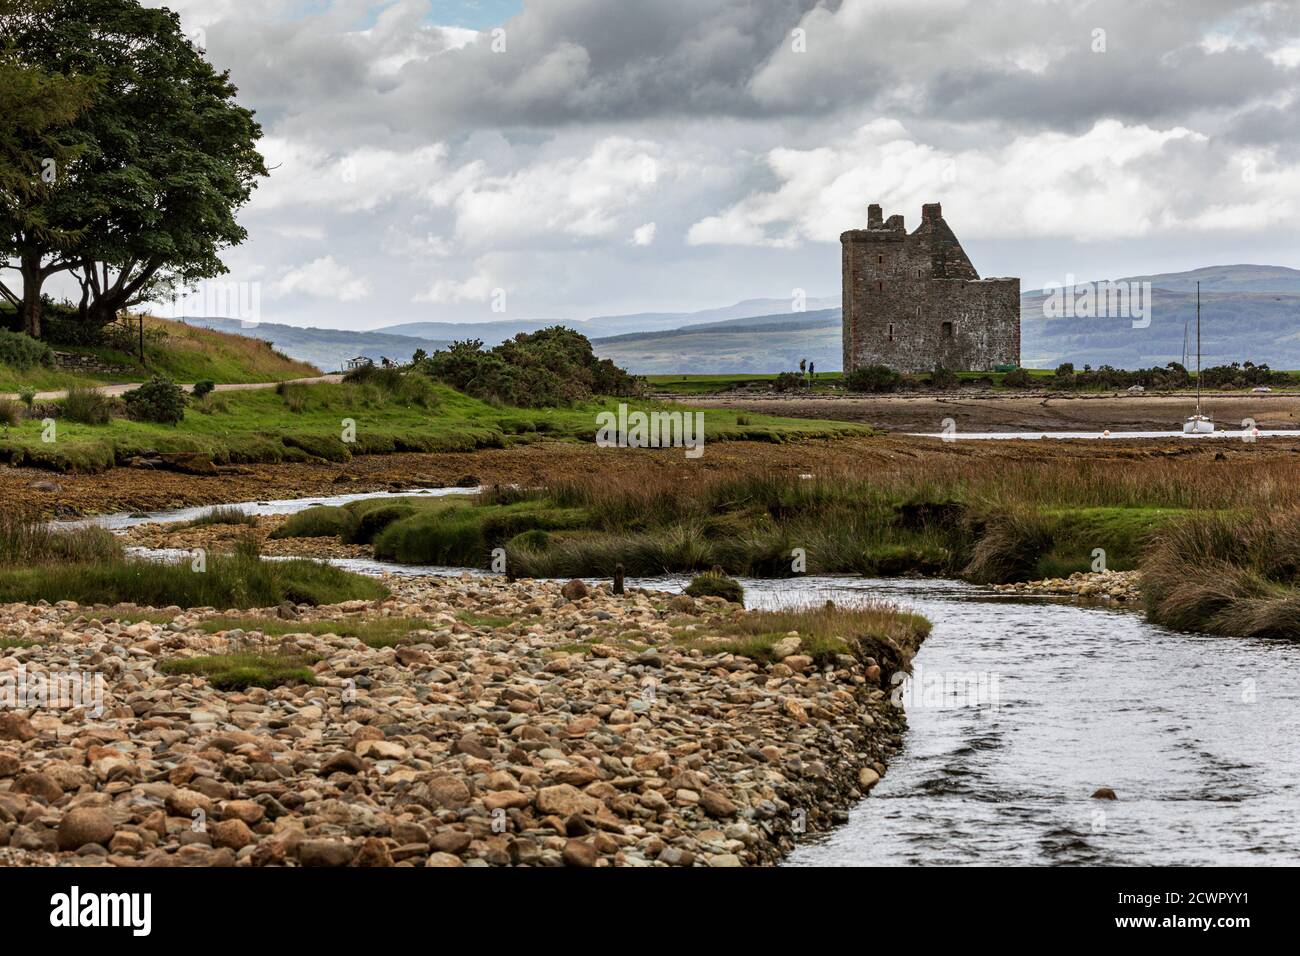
(1198, 350)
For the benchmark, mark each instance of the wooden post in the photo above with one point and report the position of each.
(618, 579)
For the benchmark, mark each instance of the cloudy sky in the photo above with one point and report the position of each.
(439, 159)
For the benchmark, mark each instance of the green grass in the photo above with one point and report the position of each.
(309, 422)
(183, 353)
(234, 581)
(875, 630)
(710, 384)
(223, 514)
(474, 619)
(11, 643)
(749, 525)
(240, 670)
(1226, 574)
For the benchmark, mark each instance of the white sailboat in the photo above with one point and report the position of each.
(1198, 424)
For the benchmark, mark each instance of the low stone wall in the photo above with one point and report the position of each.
(77, 362)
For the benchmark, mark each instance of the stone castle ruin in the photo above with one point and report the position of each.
(913, 301)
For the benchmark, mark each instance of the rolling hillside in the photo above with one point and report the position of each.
(181, 352)
(328, 349)
(1249, 312)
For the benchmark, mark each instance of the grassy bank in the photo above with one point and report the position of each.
(88, 566)
(1036, 520)
(183, 353)
(1227, 575)
(336, 421)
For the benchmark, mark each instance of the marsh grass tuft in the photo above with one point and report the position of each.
(242, 669)
(223, 515)
(1226, 574)
(871, 629)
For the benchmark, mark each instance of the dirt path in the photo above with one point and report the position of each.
(121, 389)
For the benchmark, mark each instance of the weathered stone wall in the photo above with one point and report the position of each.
(77, 362)
(914, 301)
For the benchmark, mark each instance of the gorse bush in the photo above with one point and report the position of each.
(87, 406)
(873, 378)
(203, 388)
(552, 367)
(943, 378)
(23, 352)
(1018, 378)
(157, 400)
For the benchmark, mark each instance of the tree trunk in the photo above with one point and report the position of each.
(33, 279)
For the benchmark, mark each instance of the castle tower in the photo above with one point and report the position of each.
(914, 300)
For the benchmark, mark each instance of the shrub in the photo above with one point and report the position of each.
(943, 378)
(22, 351)
(203, 388)
(87, 406)
(11, 413)
(27, 395)
(157, 400)
(552, 367)
(1065, 370)
(872, 378)
(788, 382)
(716, 584)
(1018, 378)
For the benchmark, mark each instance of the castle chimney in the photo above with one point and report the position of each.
(931, 212)
(875, 216)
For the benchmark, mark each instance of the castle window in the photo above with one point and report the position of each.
(918, 273)
(880, 260)
(947, 330)
(880, 286)
(891, 331)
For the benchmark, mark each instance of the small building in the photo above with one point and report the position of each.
(913, 301)
(359, 362)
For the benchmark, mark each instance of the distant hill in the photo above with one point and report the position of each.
(493, 333)
(328, 349)
(769, 343)
(1248, 312)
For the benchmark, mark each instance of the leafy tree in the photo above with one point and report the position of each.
(167, 155)
(38, 149)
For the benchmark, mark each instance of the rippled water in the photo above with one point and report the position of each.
(1199, 736)
(286, 506)
(1235, 434)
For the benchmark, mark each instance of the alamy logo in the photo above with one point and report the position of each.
(651, 430)
(74, 909)
(1099, 300)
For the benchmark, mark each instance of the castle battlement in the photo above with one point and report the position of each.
(914, 300)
